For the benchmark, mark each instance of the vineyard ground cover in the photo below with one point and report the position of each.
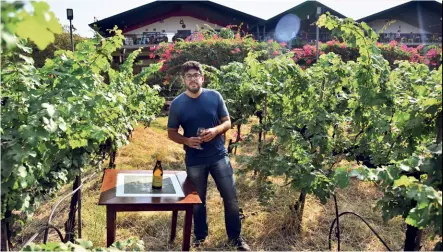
(266, 227)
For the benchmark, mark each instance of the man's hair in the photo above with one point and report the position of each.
(191, 65)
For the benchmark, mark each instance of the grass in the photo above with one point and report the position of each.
(265, 227)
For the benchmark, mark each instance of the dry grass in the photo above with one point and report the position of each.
(265, 227)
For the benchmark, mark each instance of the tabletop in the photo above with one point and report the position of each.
(108, 193)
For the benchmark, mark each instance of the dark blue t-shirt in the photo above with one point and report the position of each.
(204, 111)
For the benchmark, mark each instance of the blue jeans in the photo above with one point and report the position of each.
(223, 175)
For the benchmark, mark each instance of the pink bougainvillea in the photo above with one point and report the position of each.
(330, 43)
(391, 52)
(432, 53)
(393, 43)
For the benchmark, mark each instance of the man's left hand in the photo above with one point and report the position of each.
(209, 134)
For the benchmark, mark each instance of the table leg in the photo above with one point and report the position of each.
(187, 229)
(111, 216)
(174, 225)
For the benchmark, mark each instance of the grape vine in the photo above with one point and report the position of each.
(64, 116)
(357, 111)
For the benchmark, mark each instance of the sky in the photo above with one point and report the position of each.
(86, 10)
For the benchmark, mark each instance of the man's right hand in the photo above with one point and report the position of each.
(193, 142)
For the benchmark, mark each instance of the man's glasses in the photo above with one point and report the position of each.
(192, 76)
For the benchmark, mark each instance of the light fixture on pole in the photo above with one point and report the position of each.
(317, 33)
(70, 16)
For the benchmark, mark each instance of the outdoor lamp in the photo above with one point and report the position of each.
(70, 14)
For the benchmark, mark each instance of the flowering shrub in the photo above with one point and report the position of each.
(430, 55)
(211, 49)
(392, 52)
(305, 56)
(433, 56)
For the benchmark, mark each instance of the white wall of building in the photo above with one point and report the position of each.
(378, 24)
(172, 25)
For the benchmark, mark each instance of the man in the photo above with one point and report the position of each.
(205, 154)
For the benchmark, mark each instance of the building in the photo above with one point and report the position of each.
(166, 21)
(416, 22)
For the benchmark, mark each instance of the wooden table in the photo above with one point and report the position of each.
(116, 204)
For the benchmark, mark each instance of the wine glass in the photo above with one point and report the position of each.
(200, 132)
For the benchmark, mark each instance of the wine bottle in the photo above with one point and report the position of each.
(157, 178)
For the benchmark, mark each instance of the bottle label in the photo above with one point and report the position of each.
(157, 181)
